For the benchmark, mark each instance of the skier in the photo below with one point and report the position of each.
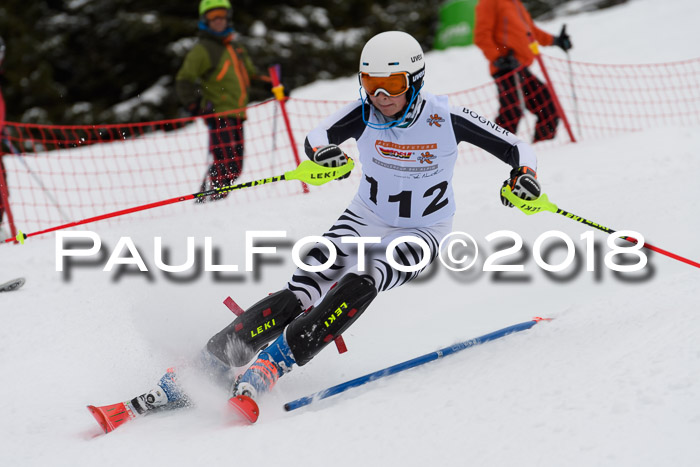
(407, 141)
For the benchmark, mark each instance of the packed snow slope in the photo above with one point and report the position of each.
(613, 380)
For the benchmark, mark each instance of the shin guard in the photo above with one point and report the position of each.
(240, 341)
(311, 332)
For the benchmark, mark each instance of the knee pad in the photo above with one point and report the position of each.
(240, 341)
(311, 332)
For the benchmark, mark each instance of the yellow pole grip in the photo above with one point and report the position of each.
(278, 91)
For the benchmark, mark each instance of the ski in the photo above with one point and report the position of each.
(246, 407)
(167, 395)
(109, 417)
(14, 284)
(112, 416)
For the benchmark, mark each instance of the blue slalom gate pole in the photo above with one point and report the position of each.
(295, 404)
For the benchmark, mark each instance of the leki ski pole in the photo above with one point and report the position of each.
(308, 172)
(543, 204)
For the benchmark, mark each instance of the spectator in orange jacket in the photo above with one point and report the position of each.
(504, 31)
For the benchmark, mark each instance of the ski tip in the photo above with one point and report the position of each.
(100, 419)
(245, 407)
(12, 285)
(109, 417)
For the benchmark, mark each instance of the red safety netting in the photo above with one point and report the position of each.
(603, 100)
(59, 174)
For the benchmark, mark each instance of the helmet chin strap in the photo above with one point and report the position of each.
(393, 123)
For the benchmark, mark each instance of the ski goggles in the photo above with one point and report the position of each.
(393, 85)
(218, 13)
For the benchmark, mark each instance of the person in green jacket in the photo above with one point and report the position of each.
(214, 81)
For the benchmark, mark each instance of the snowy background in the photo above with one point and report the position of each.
(613, 380)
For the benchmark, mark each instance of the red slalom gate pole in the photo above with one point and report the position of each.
(278, 91)
(307, 172)
(535, 47)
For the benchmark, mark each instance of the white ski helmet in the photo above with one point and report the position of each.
(393, 52)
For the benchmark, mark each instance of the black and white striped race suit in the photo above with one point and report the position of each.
(405, 189)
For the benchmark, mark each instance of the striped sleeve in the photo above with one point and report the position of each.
(472, 128)
(343, 125)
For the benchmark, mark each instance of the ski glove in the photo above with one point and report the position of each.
(563, 41)
(523, 183)
(194, 109)
(331, 156)
(506, 63)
